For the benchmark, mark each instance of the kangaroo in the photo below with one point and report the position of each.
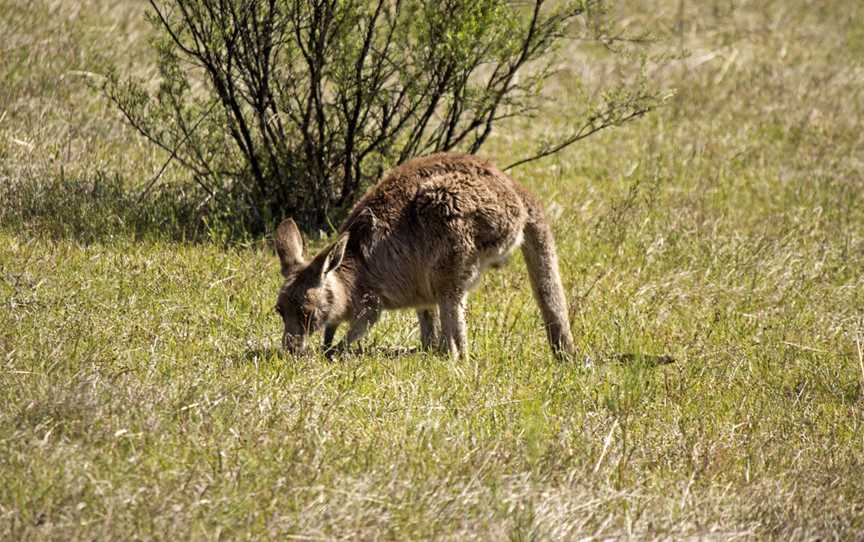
(420, 238)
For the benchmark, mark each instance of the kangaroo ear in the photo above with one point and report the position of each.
(335, 255)
(289, 245)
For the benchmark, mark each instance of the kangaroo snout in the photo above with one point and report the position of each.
(294, 344)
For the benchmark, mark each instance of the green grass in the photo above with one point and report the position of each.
(142, 395)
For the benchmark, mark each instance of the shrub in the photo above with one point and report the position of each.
(292, 107)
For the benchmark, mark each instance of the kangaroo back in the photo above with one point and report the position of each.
(542, 261)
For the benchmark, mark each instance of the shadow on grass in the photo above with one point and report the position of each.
(262, 353)
(636, 358)
(254, 355)
(103, 207)
(257, 354)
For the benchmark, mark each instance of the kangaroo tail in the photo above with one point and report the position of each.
(542, 260)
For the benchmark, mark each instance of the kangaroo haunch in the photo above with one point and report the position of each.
(420, 238)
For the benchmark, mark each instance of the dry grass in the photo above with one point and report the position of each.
(140, 396)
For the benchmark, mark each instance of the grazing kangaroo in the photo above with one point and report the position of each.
(420, 238)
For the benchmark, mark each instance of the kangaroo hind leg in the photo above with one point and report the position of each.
(430, 328)
(454, 332)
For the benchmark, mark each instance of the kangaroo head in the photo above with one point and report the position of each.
(312, 294)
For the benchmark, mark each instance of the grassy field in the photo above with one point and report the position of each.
(142, 396)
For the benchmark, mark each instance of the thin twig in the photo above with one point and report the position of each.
(173, 155)
(586, 130)
(860, 360)
(607, 441)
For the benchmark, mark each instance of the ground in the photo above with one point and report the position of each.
(142, 396)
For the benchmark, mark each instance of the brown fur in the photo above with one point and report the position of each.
(421, 238)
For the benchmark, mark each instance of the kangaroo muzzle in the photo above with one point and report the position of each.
(294, 344)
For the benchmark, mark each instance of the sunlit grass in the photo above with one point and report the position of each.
(142, 396)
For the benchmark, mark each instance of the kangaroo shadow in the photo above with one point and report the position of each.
(637, 358)
(261, 353)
